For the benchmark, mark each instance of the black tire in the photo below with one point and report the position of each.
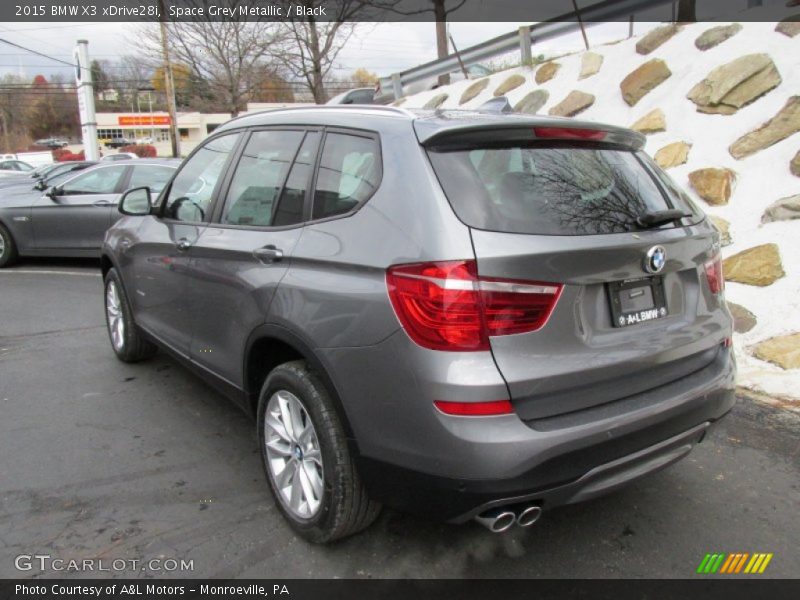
(8, 248)
(132, 346)
(345, 508)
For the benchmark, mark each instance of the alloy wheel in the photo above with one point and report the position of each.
(294, 457)
(116, 322)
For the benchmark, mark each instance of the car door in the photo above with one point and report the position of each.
(241, 257)
(155, 261)
(76, 214)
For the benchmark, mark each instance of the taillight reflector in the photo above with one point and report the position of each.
(713, 268)
(569, 133)
(447, 306)
(474, 409)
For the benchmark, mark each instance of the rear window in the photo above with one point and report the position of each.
(553, 190)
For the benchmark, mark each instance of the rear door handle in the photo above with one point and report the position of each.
(183, 244)
(268, 254)
(103, 203)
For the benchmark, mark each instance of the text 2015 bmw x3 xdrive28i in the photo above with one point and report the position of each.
(456, 314)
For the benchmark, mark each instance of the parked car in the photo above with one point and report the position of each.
(119, 156)
(71, 217)
(43, 175)
(52, 142)
(355, 96)
(384, 93)
(14, 167)
(460, 315)
(119, 142)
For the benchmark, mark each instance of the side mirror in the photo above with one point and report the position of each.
(40, 185)
(135, 202)
(53, 191)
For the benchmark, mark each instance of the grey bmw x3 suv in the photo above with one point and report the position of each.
(455, 314)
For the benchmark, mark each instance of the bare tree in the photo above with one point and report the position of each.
(230, 56)
(311, 45)
(134, 72)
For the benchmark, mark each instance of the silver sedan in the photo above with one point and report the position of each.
(71, 218)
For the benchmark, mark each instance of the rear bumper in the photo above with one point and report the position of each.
(572, 462)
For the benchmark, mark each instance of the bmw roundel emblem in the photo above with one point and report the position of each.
(655, 259)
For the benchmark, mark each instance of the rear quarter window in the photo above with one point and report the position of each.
(551, 190)
(349, 173)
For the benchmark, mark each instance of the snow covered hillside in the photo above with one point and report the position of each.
(721, 111)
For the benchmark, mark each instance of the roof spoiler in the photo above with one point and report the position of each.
(508, 130)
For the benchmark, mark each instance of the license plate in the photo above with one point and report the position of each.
(637, 301)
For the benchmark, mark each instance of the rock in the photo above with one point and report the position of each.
(546, 72)
(509, 84)
(473, 90)
(735, 84)
(794, 166)
(590, 64)
(713, 185)
(743, 319)
(785, 209)
(652, 122)
(720, 109)
(672, 155)
(724, 229)
(789, 26)
(781, 126)
(716, 35)
(759, 266)
(532, 102)
(436, 101)
(783, 351)
(656, 37)
(576, 102)
(640, 81)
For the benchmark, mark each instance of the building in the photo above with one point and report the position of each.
(153, 128)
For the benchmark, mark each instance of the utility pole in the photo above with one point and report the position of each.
(83, 81)
(169, 85)
(440, 16)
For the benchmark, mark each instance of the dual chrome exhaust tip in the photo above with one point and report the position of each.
(498, 520)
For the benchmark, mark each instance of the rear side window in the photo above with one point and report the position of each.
(153, 176)
(349, 173)
(259, 177)
(553, 190)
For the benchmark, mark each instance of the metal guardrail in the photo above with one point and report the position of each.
(522, 39)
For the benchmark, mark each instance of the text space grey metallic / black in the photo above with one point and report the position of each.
(456, 314)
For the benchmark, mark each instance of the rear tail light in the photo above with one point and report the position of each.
(474, 409)
(569, 133)
(447, 306)
(713, 268)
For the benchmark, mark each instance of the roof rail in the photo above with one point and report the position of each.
(374, 107)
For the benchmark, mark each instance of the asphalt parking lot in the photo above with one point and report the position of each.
(106, 460)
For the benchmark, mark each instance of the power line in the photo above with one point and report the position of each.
(58, 60)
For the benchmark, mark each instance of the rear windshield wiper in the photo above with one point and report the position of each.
(660, 217)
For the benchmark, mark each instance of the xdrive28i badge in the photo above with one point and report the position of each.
(655, 259)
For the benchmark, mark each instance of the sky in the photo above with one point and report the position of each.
(382, 48)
